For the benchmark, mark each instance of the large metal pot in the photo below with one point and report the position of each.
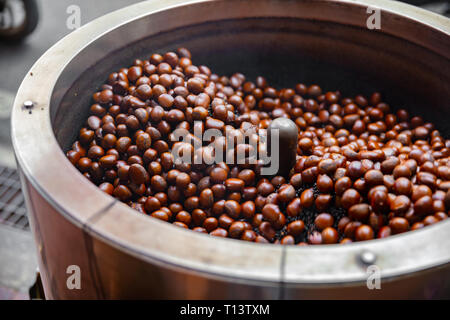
(123, 254)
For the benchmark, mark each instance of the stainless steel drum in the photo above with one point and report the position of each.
(124, 254)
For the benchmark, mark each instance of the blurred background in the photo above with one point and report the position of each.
(27, 29)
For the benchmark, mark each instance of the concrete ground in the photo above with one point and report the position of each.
(17, 59)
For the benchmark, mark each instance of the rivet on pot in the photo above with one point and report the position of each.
(367, 257)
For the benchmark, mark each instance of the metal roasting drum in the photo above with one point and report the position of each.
(124, 254)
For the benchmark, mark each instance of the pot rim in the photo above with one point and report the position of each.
(40, 158)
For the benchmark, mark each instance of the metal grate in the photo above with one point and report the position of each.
(12, 202)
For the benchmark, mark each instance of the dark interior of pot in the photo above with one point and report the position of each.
(285, 51)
